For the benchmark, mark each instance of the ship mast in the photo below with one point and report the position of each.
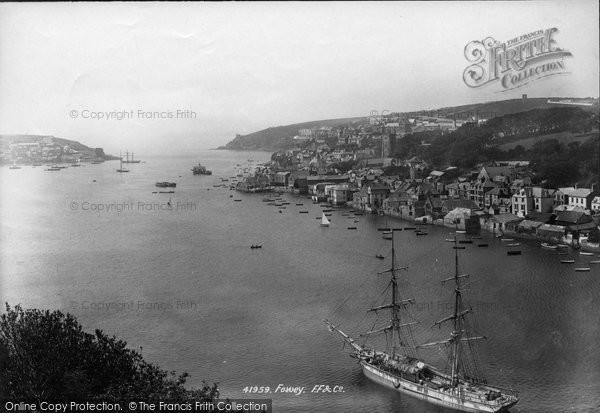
(394, 306)
(456, 334)
(395, 319)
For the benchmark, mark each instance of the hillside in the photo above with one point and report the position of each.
(6, 140)
(507, 107)
(280, 137)
(563, 137)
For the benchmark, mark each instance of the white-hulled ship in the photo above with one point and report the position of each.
(460, 385)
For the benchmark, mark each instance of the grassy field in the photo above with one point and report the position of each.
(564, 137)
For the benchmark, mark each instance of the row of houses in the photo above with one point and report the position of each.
(44, 149)
(499, 198)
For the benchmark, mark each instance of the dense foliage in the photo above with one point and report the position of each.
(47, 356)
(554, 163)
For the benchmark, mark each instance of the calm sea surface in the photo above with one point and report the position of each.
(184, 285)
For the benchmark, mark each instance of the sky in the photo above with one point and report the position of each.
(243, 67)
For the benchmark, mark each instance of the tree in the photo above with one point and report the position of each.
(48, 356)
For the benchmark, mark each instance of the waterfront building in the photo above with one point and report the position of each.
(575, 223)
(522, 202)
(543, 199)
(319, 192)
(579, 197)
(280, 178)
(502, 223)
(550, 232)
(256, 183)
(528, 227)
(298, 182)
(341, 194)
(458, 218)
(370, 197)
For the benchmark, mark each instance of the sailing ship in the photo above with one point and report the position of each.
(121, 167)
(460, 386)
(324, 221)
(14, 165)
(127, 158)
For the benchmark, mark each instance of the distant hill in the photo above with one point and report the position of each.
(280, 137)
(506, 107)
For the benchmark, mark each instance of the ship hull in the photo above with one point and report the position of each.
(428, 394)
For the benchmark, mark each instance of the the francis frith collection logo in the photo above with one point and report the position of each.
(516, 62)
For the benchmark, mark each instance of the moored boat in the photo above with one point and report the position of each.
(201, 170)
(165, 184)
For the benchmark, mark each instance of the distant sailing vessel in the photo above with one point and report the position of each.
(399, 367)
(14, 166)
(127, 160)
(324, 221)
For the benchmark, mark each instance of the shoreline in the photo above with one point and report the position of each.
(583, 245)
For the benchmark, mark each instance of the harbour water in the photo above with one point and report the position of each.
(183, 284)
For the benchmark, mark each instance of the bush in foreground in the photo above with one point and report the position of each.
(47, 356)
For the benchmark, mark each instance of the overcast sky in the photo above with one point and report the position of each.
(242, 67)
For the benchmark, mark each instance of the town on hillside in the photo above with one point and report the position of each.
(35, 149)
(363, 167)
